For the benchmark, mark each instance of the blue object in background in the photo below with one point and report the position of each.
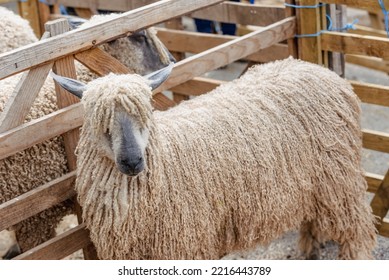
(207, 26)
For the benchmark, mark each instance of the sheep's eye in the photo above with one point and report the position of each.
(139, 37)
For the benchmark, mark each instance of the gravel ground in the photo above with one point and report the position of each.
(373, 117)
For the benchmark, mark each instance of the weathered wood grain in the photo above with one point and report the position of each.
(101, 62)
(380, 201)
(41, 129)
(20, 101)
(375, 140)
(308, 22)
(112, 5)
(374, 63)
(371, 93)
(197, 86)
(368, 31)
(368, 5)
(30, 11)
(373, 181)
(242, 13)
(36, 200)
(65, 67)
(85, 38)
(195, 42)
(60, 246)
(355, 44)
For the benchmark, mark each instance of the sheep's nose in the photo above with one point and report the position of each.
(131, 165)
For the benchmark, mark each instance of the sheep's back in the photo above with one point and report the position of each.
(259, 155)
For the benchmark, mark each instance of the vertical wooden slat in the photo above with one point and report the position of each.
(308, 23)
(30, 11)
(44, 15)
(176, 24)
(336, 61)
(292, 43)
(65, 67)
(380, 201)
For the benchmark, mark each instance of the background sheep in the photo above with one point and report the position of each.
(277, 149)
(14, 31)
(44, 162)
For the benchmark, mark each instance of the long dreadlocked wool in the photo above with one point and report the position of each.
(275, 150)
(44, 162)
(14, 31)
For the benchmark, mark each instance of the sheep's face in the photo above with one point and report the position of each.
(125, 143)
(118, 115)
(141, 52)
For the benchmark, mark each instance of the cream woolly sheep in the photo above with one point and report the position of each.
(44, 162)
(278, 149)
(14, 31)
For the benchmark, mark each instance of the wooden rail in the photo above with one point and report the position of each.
(85, 38)
(37, 200)
(195, 42)
(368, 5)
(242, 13)
(60, 246)
(355, 44)
(229, 52)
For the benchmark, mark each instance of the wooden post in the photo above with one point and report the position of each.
(308, 22)
(65, 67)
(380, 202)
(176, 24)
(292, 43)
(30, 11)
(335, 60)
(377, 21)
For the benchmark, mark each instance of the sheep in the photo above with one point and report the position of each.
(14, 31)
(44, 162)
(277, 149)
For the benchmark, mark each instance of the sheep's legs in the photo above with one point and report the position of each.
(309, 242)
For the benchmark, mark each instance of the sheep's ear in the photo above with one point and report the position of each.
(75, 22)
(73, 86)
(156, 78)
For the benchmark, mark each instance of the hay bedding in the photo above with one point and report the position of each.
(232, 169)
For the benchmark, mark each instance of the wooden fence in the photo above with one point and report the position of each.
(37, 59)
(310, 21)
(276, 25)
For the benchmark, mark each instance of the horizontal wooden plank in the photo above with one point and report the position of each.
(242, 13)
(101, 62)
(228, 52)
(355, 44)
(195, 42)
(197, 86)
(19, 103)
(375, 140)
(384, 229)
(29, 134)
(161, 102)
(368, 31)
(111, 5)
(371, 93)
(84, 38)
(37, 200)
(60, 246)
(368, 5)
(371, 62)
(373, 181)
